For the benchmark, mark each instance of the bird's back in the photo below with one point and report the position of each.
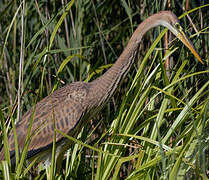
(65, 107)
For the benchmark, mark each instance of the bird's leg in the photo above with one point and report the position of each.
(59, 160)
(60, 151)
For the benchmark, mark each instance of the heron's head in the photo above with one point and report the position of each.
(170, 21)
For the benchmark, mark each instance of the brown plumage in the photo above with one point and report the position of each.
(66, 106)
(73, 105)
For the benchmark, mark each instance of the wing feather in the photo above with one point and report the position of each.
(65, 106)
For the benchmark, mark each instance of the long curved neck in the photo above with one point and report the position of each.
(105, 86)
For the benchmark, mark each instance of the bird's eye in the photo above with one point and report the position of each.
(178, 26)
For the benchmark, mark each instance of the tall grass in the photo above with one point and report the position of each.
(155, 126)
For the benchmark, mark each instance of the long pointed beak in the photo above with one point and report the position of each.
(189, 44)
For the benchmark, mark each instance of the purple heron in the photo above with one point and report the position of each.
(73, 105)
